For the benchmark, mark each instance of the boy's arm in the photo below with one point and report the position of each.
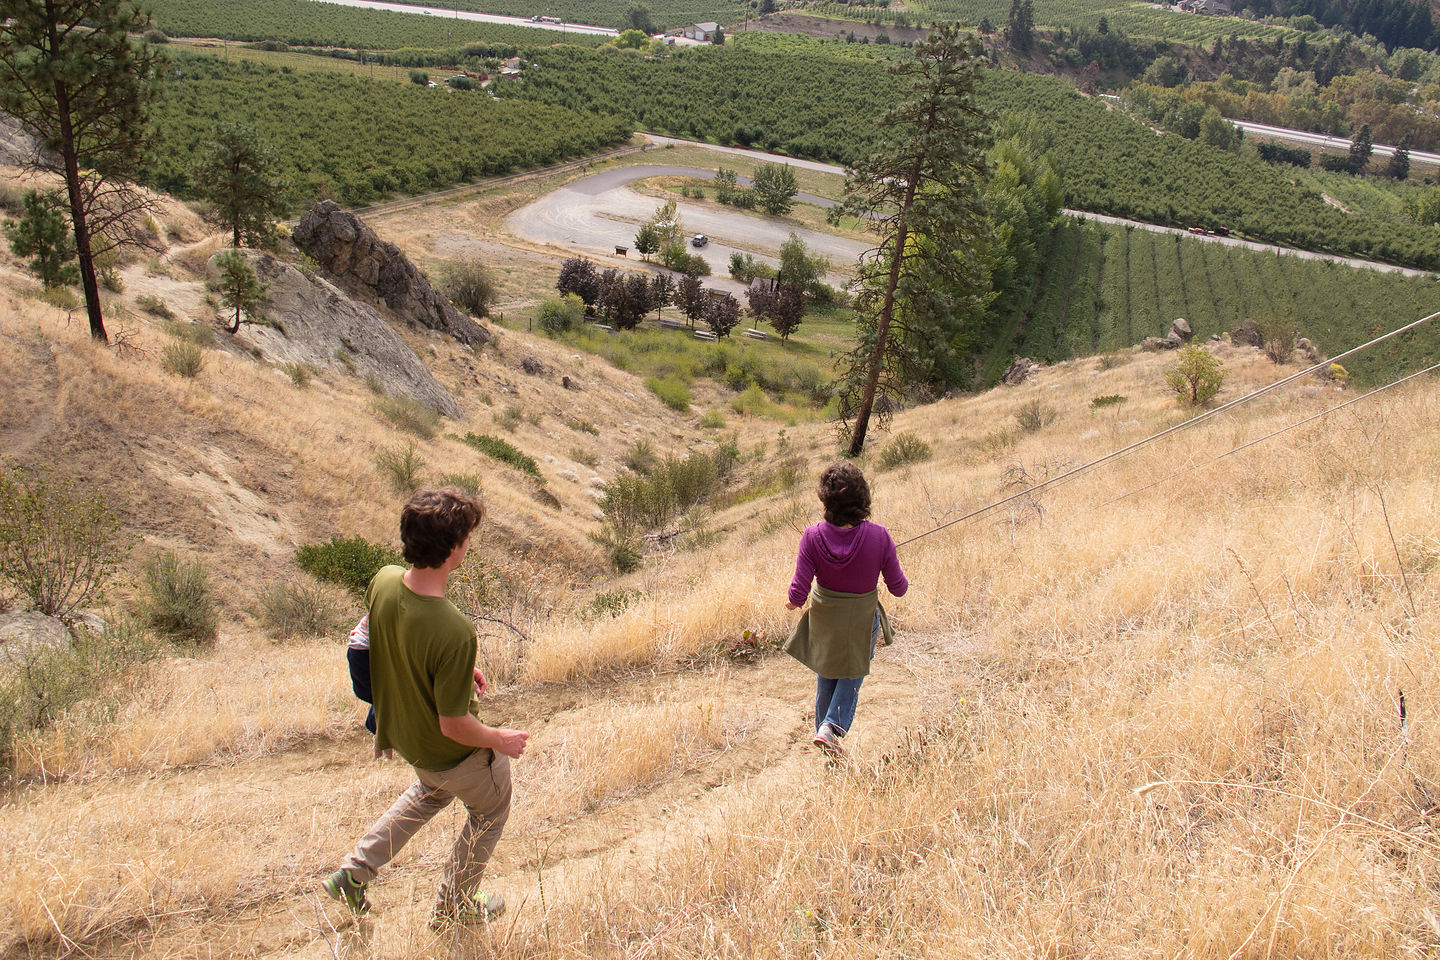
(470, 732)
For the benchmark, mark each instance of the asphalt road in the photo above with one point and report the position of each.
(598, 213)
(1338, 144)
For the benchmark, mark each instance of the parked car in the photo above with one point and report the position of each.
(699, 240)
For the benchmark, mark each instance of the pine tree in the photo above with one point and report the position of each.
(1020, 29)
(240, 289)
(72, 76)
(43, 235)
(1360, 149)
(1399, 166)
(237, 173)
(924, 288)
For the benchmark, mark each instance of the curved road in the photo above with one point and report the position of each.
(454, 13)
(600, 212)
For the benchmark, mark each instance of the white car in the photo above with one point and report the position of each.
(699, 240)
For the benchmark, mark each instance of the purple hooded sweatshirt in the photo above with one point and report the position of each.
(846, 559)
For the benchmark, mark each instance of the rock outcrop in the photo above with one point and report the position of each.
(23, 636)
(351, 252)
(17, 147)
(1247, 335)
(321, 326)
(1019, 371)
(1181, 329)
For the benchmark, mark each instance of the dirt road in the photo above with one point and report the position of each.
(598, 213)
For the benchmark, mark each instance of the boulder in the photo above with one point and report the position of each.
(23, 635)
(1156, 344)
(1247, 335)
(1311, 352)
(17, 146)
(1181, 328)
(532, 366)
(1019, 371)
(350, 251)
(321, 326)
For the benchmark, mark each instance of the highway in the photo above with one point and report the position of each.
(1324, 141)
(455, 13)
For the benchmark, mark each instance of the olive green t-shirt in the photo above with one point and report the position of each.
(422, 667)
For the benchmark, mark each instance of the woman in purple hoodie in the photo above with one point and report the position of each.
(844, 556)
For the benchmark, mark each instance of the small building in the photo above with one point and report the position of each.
(703, 32)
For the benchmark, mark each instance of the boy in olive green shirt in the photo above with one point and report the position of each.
(424, 682)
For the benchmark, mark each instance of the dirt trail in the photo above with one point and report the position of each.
(764, 709)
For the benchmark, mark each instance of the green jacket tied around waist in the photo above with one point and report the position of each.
(833, 635)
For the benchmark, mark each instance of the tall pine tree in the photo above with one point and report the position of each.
(72, 76)
(923, 289)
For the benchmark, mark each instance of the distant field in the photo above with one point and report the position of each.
(359, 140)
(310, 23)
(667, 14)
(291, 60)
(1105, 287)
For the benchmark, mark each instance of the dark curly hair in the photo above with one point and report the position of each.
(434, 522)
(844, 493)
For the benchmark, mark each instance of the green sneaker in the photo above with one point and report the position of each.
(341, 886)
(481, 908)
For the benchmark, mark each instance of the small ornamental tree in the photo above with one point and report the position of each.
(722, 314)
(1196, 377)
(690, 297)
(662, 291)
(787, 310)
(43, 235)
(579, 276)
(775, 187)
(240, 289)
(647, 241)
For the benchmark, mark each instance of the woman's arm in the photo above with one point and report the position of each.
(804, 574)
(895, 580)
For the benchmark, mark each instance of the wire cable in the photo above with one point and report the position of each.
(1202, 418)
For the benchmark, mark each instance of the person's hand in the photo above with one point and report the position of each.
(511, 742)
(480, 683)
(791, 606)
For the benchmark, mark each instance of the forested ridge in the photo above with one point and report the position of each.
(358, 140)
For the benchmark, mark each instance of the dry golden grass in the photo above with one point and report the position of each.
(1153, 711)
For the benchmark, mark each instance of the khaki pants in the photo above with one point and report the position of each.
(481, 782)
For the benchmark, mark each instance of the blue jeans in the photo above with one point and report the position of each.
(835, 700)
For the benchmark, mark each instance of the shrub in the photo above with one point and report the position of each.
(154, 306)
(639, 457)
(469, 482)
(1197, 376)
(1109, 400)
(510, 417)
(559, 314)
(619, 547)
(903, 448)
(1034, 416)
(583, 426)
(178, 600)
(401, 466)
(672, 391)
(350, 563)
(1278, 335)
(612, 603)
(183, 359)
(299, 609)
(504, 452)
(409, 415)
(468, 285)
(156, 37)
(648, 501)
(299, 373)
(419, 77)
(43, 682)
(198, 333)
(58, 542)
(712, 420)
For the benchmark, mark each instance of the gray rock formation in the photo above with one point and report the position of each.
(1181, 328)
(325, 328)
(17, 147)
(1019, 371)
(1247, 335)
(1168, 342)
(359, 259)
(25, 635)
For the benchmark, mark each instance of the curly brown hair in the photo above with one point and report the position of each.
(844, 493)
(436, 521)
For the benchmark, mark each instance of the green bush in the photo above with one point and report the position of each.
(712, 420)
(639, 457)
(510, 417)
(1196, 377)
(583, 426)
(468, 285)
(1034, 416)
(903, 448)
(559, 314)
(401, 466)
(468, 482)
(351, 563)
(1109, 400)
(612, 603)
(635, 501)
(183, 359)
(97, 668)
(299, 609)
(58, 542)
(409, 415)
(504, 452)
(672, 391)
(178, 600)
(154, 306)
